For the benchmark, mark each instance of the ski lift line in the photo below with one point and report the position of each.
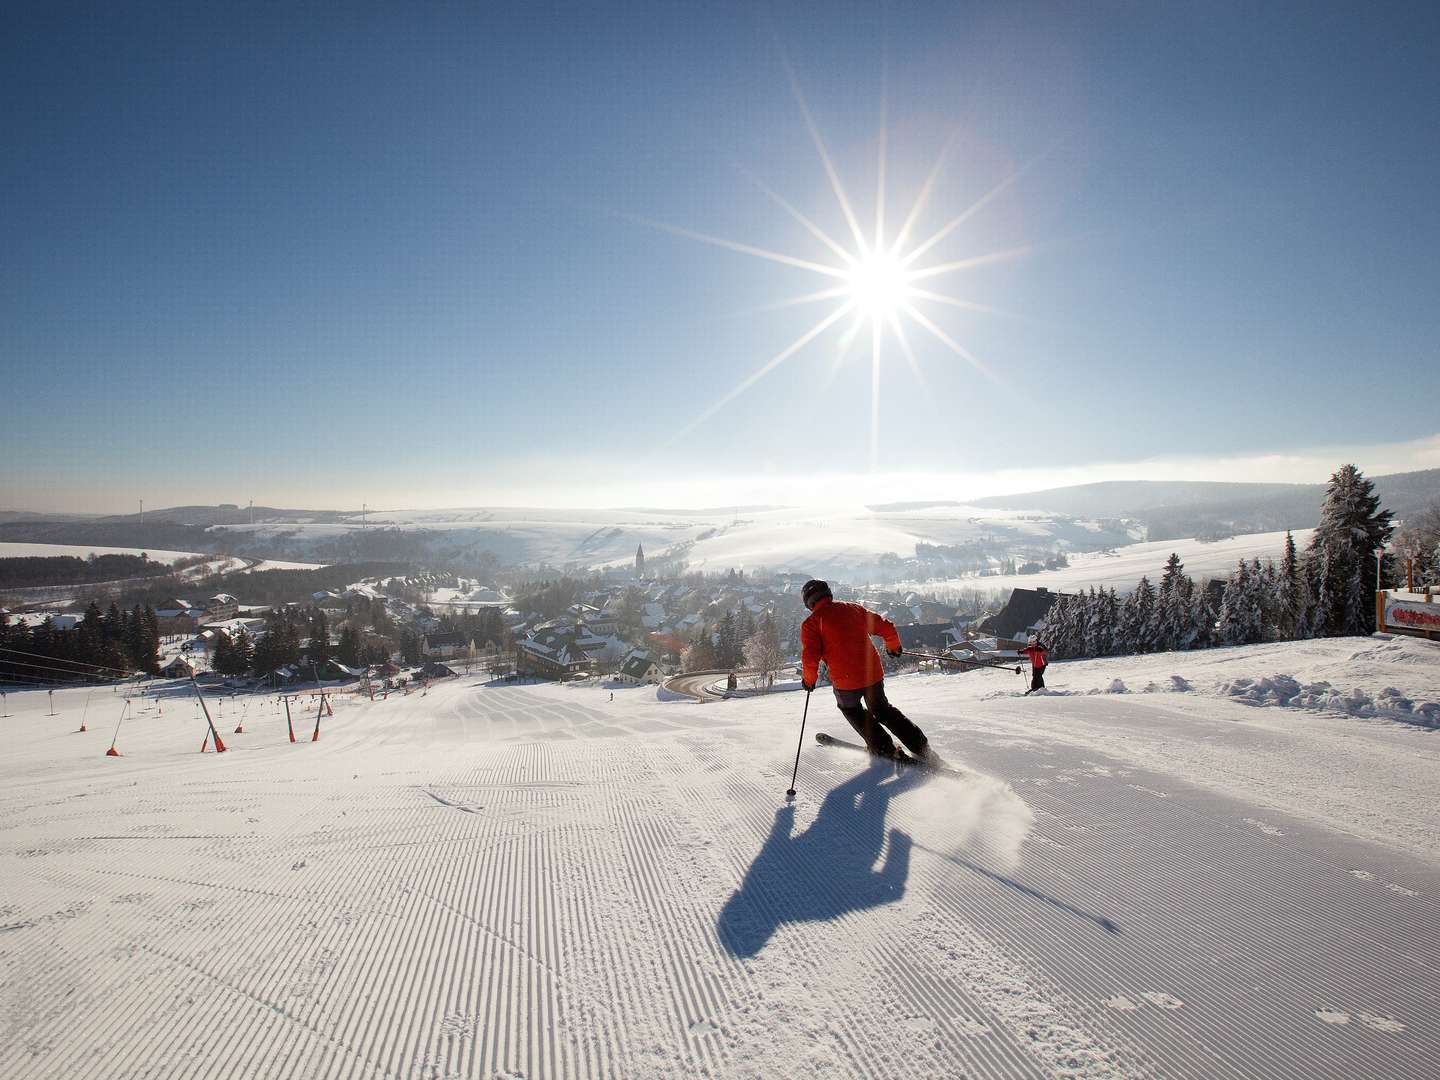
(63, 660)
(34, 681)
(68, 680)
(62, 671)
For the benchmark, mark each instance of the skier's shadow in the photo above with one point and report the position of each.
(827, 870)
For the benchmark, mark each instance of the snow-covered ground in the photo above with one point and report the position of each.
(214, 564)
(80, 551)
(507, 881)
(1123, 567)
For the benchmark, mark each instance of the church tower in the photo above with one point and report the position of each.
(640, 560)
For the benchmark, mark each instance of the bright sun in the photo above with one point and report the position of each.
(877, 276)
(879, 286)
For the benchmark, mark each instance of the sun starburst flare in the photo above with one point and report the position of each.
(876, 282)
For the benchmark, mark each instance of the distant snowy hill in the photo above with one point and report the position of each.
(1122, 568)
(844, 541)
(1177, 509)
(858, 542)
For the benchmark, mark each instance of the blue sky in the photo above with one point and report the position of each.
(393, 253)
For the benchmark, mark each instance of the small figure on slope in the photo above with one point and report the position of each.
(839, 633)
(1039, 656)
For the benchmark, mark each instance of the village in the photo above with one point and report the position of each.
(623, 628)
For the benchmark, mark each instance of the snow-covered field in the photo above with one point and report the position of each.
(834, 541)
(536, 881)
(283, 564)
(1122, 568)
(214, 564)
(80, 551)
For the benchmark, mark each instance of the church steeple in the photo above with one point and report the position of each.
(639, 560)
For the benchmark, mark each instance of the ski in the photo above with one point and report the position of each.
(901, 759)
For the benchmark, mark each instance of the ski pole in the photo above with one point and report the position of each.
(961, 660)
(805, 713)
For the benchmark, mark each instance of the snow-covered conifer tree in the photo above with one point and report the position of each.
(1106, 616)
(1241, 620)
(1352, 526)
(1289, 592)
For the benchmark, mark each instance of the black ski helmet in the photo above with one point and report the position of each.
(814, 590)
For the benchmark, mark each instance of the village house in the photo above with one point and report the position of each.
(444, 646)
(1023, 614)
(638, 668)
(220, 607)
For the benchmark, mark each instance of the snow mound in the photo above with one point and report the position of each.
(1289, 692)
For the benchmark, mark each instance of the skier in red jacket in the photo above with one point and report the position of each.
(839, 633)
(1039, 657)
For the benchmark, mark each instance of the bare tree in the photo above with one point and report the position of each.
(763, 652)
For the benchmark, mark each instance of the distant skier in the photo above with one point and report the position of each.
(1039, 657)
(839, 633)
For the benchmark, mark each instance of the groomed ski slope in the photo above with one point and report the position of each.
(535, 881)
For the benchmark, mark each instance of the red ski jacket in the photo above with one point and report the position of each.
(839, 633)
(1039, 657)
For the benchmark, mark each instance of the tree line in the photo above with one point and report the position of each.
(102, 646)
(1326, 591)
(34, 571)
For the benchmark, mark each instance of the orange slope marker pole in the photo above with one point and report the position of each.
(211, 733)
(112, 752)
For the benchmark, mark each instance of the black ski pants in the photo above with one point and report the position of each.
(1037, 678)
(870, 713)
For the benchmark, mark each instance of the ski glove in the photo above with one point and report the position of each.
(807, 686)
(893, 652)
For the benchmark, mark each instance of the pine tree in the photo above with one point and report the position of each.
(1108, 622)
(727, 644)
(348, 651)
(149, 658)
(133, 636)
(1289, 593)
(1202, 618)
(1352, 526)
(1135, 632)
(1060, 627)
(1172, 615)
(1241, 621)
(242, 653)
(222, 657)
(409, 646)
(319, 649)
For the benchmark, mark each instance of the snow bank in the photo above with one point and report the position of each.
(1378, 677)
(1286, 690)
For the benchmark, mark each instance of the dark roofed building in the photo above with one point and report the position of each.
(930, 636)
(444, 646)
(1026, 608)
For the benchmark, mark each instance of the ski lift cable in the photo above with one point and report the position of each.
(63, 660)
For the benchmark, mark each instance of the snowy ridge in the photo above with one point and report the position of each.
(834, 541)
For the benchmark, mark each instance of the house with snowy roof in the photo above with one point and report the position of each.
(220, 607)
(638, 668)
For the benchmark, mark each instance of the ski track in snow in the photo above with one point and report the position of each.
(532, 881)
